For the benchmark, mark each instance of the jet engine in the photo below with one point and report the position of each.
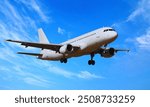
(83, 46)
(107, 53)
(66, 48)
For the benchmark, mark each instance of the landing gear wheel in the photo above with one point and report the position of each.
(91, 62)
(63, 60)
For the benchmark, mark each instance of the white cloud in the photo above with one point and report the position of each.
(60, 71)
(135, 14)
(37, 81)
(19, 72)
(140, 15)
(66, 73)
(142, 10)
(34, 5)
(15, 25)
(61, 31)
(7, 54)
(87, 75)
(69, 74)
(144, 40)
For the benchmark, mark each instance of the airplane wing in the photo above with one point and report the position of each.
(127, 50)
(32, 54)
(54, 47)
(116, 50)
(100, 50)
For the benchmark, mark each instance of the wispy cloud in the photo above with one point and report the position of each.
(34, 5)
(15, 22)
(142, 10)
(60, 31)
(135, 14)
(15, 26)
(69, 74)
(144, 40)
(87, 75)
(24, 74)
(37, 81)
(66, 73)
(139, 15)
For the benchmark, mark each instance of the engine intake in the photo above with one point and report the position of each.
(66, 48)
(112, 51)
(107, 53)
(69, 47)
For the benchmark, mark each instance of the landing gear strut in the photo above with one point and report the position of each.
(91, 62)
(63, 60)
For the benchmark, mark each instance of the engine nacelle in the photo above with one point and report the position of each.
(66, 49)
(83, 46)
(107, 53)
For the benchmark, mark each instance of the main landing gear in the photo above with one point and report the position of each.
(91, 62)
(63, 60)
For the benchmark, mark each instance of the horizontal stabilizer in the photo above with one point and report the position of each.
(32, 54)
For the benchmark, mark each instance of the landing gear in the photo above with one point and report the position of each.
(91, 62)
(63, 60)
(105, 45)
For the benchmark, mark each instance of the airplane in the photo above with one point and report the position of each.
(91, 43)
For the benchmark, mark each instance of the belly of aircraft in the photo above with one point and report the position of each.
(91, 48)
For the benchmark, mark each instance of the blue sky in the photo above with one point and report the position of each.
(65, 19)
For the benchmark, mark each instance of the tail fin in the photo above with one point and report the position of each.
(42, 36)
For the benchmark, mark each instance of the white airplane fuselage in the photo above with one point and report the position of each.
(88, 43)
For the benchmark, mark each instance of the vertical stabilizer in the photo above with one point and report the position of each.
(42, 39)
(42, 36)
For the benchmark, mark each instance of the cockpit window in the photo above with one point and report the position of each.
(109, 30)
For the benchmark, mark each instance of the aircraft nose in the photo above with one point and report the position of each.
(115, 35)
